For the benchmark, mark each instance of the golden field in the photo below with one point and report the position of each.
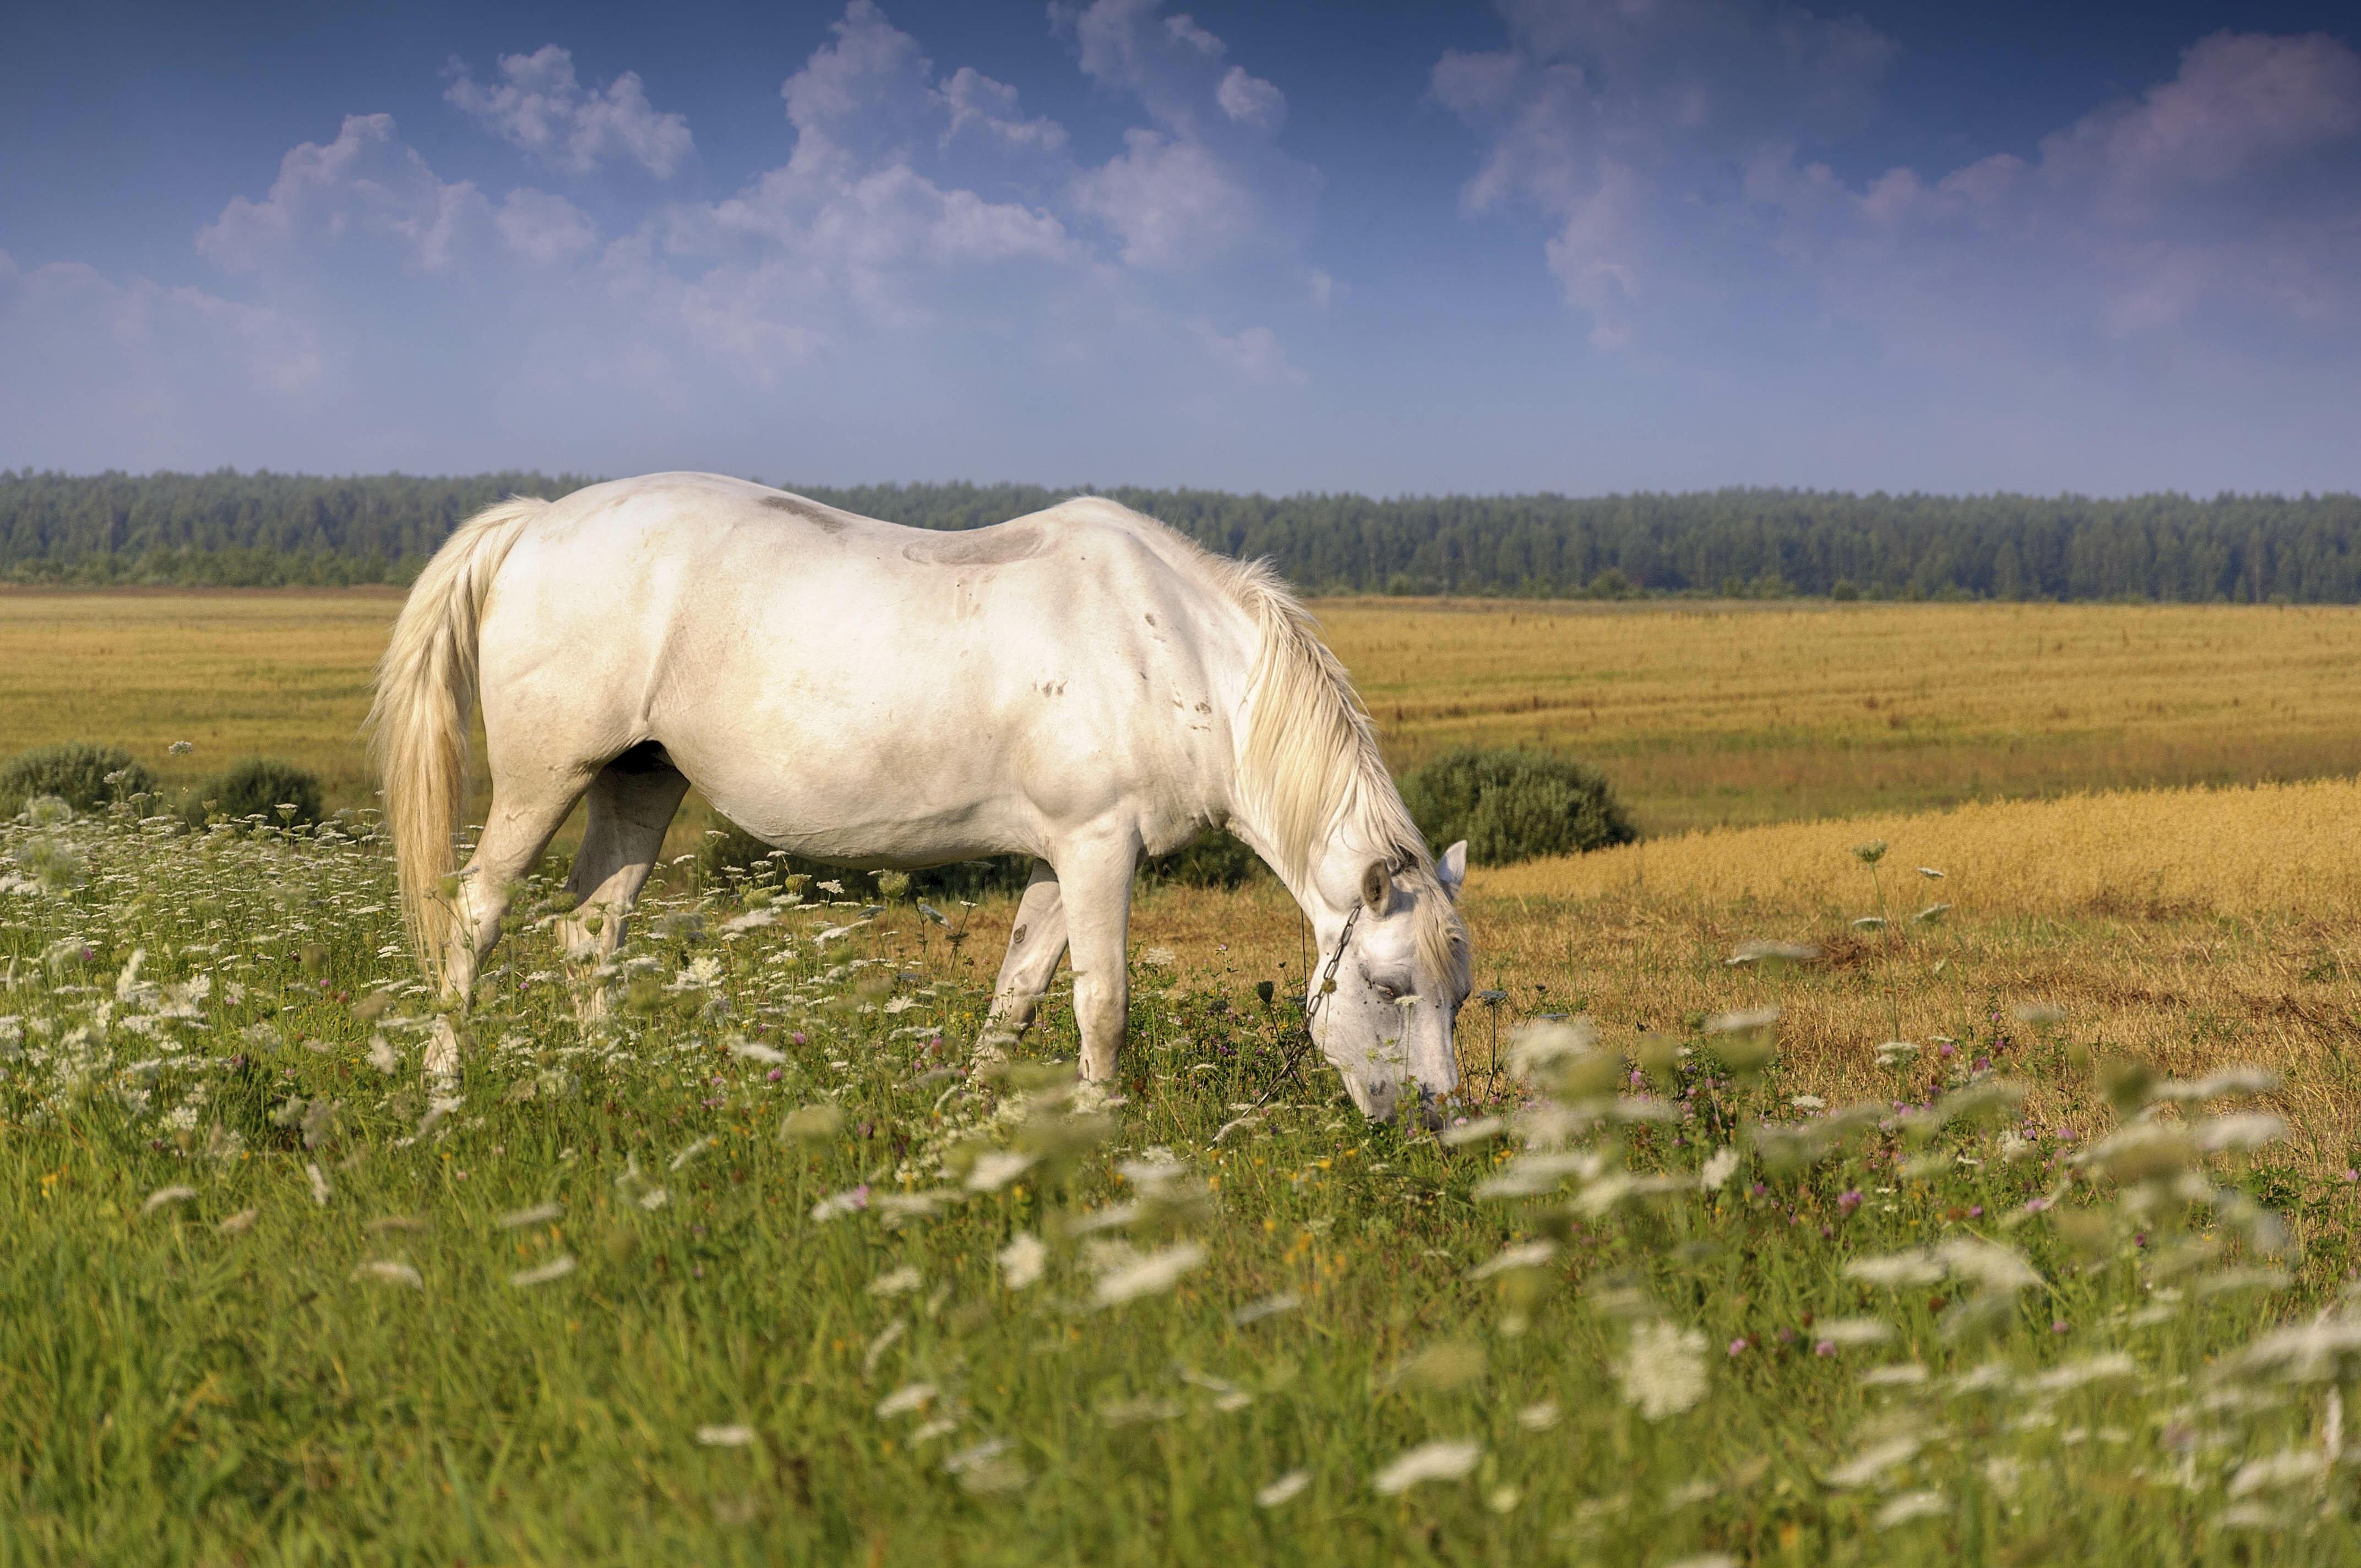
(1702, 713)
(2193, 927)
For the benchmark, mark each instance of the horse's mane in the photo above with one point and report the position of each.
(1309, 762)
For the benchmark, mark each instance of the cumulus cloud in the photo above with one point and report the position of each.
(1207, 178)
(1616, 123)
(539, 107)
(1674, 150)
(2223, 195)
(925, 233)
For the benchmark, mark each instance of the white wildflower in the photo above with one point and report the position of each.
(1989, 1264)
(557, 1268)
(239, 1222)
(319, 1183)
(390, 1271)
(2239, 1131)
(1022, 1261)
(382, 1055)
(1540, 1417)
(2088, 1369)
(1893, 1270)
(654, 1198)
(896, 1281)
(1741, 1023)
(540, 1214)
(902, 1401)
(1441, 1461)
(690, 1153)
(2289, 1467)
(1286, 1488)
(1267, 1307)
(725, 1436)
(1524, 1254)
(1158, 1272)
(1911, 1506)
(1873, 1461)
(996, 1168)
(1664, 1371)
(1852, 1331)
(1718, 1169)
(852, 1200)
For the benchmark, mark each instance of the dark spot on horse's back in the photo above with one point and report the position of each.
(647, 757)
(795, 506)
(995, 546)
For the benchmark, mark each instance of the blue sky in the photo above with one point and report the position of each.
(1585, 246)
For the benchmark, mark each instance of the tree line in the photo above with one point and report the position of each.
(229, 529)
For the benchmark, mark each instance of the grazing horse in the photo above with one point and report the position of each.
(1083, 685)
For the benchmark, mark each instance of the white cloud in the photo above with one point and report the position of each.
(545, 229)
(538, 106)
(1619, 124)
(2227, 192)
(1208, 180)
(980, 104)
(1251, 101)
(1254, 355)
(1174, 204)
(366, 183)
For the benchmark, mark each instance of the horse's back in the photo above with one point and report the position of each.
(756, 632)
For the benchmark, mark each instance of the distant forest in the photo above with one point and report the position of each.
(264, 528)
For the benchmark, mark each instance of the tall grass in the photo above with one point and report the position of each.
(757, 1271)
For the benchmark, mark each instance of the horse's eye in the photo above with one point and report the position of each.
(1385, 993)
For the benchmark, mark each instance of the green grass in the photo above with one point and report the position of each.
(179, 1392)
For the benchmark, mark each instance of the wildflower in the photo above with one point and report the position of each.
(382, 1055)
(1718, 1169)
(1267, 1307)
(690, 1153)
(2286, 1467)
(1910, 1505)
(2039, 1013)
(1873, 1461)
(2240, 1131)
(1848, 1201)
(895, 1282)
(1741, 1023)
(1664, 1371)
(181, 747)
(1022, 1261)
(852, 1200)
(749, 1050)
(1540, 1417)
(996, 1169)
(319, 1183)
(1442, 1461)
(1156, 1272)
(725, 1436)
(163, 1195)
(1754, 952)
(1931, 874)
(557, 1268)
(1159, 958)
(1525, 1255)
(1896, 1053)
(1869, 854)
(1285, 1489)
(654, 1198)
(1738, 1346)
(391, 1271)
(1808, 1103)
(1853, 1330)
(902, 1400)
(987, 1467)
(239, 1222)
(1915, 1266)
(1473, 1132)
(540, 1214)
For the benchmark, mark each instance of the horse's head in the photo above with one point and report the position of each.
(1399, 981)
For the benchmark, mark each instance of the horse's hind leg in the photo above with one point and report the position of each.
(527, 808)
(1036, 943)
(631, 803)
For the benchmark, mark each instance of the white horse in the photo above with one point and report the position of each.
(1083, 685)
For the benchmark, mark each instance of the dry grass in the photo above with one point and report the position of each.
(2254, 851)
(1714, 714)
(1703, 715)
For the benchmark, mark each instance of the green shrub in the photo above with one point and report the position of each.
(1215, 858)
(258, 784)
(75, 772)
(1515, 806)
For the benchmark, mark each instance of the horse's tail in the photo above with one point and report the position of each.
(418, 720)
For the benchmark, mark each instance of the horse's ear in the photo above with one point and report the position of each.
(1376, 886)
(1452, 870)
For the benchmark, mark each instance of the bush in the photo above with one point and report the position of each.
(734, 850)
(1515, 806)
(76, 773)
(258, 784)
(1215, 858)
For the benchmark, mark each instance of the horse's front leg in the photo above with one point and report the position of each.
(1036, 943)
(1095, 883)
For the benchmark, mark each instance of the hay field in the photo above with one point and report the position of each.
(1703, 715)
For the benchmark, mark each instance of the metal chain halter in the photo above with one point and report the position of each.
(1312, 1009)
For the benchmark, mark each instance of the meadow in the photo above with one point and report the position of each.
(1968, 1177)
(1704, 715)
